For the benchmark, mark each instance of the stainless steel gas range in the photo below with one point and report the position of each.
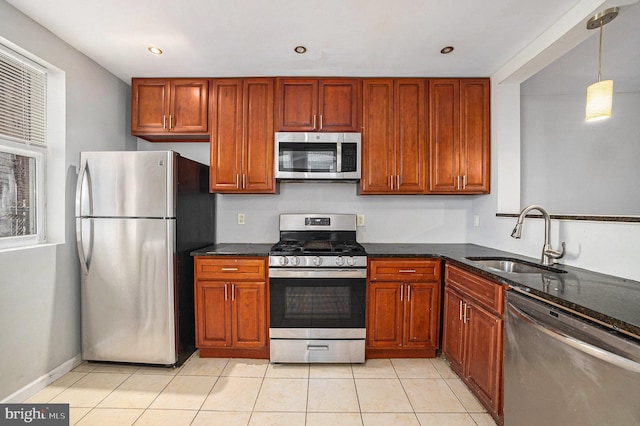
(317, 276)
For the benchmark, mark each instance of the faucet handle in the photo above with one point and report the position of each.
(555, 254)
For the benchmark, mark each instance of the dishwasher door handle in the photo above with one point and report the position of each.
(584, 347)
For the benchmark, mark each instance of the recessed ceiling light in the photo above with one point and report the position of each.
(300, 49)
(155, 50)
(446, 50)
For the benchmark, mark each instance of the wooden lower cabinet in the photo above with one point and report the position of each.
(403, 308)
(231, 304)
(472, 335)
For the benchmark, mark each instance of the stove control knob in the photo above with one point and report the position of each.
(317, 261)
(340, 261)
(351, 261)
(295, 261)
(283, 261)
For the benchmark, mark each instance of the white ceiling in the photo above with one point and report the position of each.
(216, 38)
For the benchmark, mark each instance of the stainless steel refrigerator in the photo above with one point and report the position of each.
(139, 214)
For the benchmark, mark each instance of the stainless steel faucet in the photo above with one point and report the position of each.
(548, 253)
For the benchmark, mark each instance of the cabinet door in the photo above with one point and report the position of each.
(249, 314)
(475, 135)
(377, 136)
(483, 365)
(149, 105)
(384, 320)
(225, 173)
(453, 329)
(421, 315)
(213, 314)
(258, 161)
(297, 105)
(338, 105)
(410, 135)
(189, 110)
(444, 134)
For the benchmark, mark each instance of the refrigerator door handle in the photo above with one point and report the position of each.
(84, 260)
(83, 176)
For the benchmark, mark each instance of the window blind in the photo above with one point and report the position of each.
(23, 90)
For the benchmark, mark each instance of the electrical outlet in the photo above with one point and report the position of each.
(360, 219)
(240, 218)
(476, 221)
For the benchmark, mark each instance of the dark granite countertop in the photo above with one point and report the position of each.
(234, 249)
(610, 300)
(613, 301)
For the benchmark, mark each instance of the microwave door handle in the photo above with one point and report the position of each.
(338, 157)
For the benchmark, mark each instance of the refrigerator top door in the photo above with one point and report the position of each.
(126, 184)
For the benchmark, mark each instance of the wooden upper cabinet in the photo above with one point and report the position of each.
(394, 152)
(318, 105)
(242, 136)
(459, 139)
(170, 110)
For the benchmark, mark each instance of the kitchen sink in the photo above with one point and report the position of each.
(515, 266)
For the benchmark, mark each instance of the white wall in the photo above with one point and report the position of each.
(39, 286)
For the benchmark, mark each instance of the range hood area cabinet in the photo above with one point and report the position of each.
(459, 136)
(394, 148)
(170, 110)
(242, 145)
(318, 105)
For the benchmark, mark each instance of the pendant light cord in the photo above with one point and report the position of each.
(600, 53)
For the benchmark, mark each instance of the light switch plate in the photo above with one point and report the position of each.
(240, 218)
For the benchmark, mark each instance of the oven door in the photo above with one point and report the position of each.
(326, 301)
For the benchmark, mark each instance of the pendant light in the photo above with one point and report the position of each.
(600, 94)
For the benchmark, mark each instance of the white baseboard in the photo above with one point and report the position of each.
(43, 381)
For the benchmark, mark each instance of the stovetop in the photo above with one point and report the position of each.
(318, 248)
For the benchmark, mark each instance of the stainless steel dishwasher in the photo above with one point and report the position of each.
(560, 369)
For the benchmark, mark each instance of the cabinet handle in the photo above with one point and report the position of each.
(391, 182)
(407, 271)
(314, 121)
(170, 126)
(229, 269)
(461, 310)
(402, 293)
(164, 121)
(320, 121)
(233, 292)
(467, 315)
(226, 292)
(237, 181)
(464, 181)
(397, 181)
(458, 183)
(408, 292)
(244, 181)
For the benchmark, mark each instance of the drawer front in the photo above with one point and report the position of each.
(487, 293)
(404, 270)
(226, 268)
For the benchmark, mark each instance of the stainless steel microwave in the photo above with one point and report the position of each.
(317, 156)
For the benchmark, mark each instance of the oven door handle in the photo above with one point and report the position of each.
(317, 273)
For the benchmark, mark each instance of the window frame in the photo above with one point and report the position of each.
(39, 153)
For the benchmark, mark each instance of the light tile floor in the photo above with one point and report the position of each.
(229, 392)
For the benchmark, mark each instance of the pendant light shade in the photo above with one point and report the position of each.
(600, 94)
(599, 100)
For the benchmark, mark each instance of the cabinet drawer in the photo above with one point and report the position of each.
(225, 268)
(405, 270)
(487, 293)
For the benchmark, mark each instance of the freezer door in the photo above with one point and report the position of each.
(126, 184)
(127, 290)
